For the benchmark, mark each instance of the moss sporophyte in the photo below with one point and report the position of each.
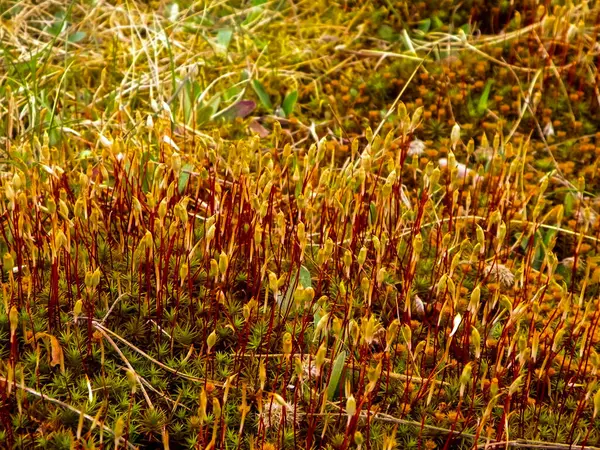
(299, 225)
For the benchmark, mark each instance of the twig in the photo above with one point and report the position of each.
(113, 305)
(101, 328)
(524, 443)
(67, 406)
(126, 361)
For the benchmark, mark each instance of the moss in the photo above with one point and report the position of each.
(150, 167)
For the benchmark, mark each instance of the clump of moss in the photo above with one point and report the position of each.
(277, 225)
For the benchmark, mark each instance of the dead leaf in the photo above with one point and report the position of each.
(257, 128)
(57, 356)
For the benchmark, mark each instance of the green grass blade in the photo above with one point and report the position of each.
(262, 94)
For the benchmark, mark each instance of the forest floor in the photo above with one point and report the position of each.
(265, 224)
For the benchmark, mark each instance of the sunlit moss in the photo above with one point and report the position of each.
(184, 221)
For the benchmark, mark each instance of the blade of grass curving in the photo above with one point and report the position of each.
(336, 373)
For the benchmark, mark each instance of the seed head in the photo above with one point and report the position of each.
(275, 413)
(499, 273)
(416, 148)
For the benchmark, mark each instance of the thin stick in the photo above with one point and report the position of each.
(67, 406)
(129, 366)
(101, 328)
